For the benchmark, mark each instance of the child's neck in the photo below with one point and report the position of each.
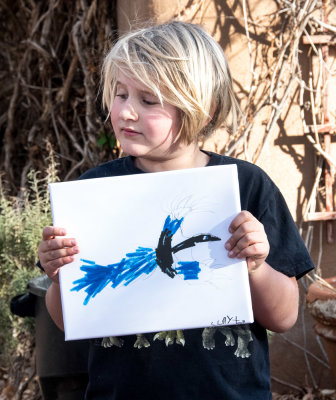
(191, 158)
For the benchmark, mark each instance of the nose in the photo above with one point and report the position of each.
(128, 111)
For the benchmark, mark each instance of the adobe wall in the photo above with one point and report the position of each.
(288, 157)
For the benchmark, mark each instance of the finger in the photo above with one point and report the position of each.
(50, 232)
(242, 217)
(57, 243)
(248, 241)
(254, 251)
(52, 267)
(245, 229)
(60, 253)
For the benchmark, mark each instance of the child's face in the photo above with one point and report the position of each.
(144, 128)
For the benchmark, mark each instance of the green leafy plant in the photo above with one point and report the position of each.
(22, 220)
(106, 140)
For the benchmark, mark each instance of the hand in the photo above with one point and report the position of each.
(248, 240)
(55, 251)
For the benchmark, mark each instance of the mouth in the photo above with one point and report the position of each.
(130, 132)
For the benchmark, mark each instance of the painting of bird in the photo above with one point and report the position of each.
(143, 260)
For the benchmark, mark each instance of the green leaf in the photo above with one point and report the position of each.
(102, 141)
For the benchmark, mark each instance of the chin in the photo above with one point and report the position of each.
(133, 151)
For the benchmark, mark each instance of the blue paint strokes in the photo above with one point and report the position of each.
(190, 269)
(97, 277)
(88, 261)
(172, 225)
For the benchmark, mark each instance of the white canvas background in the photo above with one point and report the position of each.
(110, 217)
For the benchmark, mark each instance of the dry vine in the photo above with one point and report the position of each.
(51, 53)
(276, 74)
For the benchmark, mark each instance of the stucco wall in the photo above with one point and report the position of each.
(288, 157)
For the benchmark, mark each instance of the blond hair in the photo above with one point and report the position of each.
(182, 65)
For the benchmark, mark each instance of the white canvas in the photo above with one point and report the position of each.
(113, 217)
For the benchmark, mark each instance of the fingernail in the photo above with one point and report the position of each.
(75, 249)
(231, 253)
(62, 232)
(228, 246)
(73, 242)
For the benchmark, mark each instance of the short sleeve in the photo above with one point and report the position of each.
(288, 253)
(260, 196)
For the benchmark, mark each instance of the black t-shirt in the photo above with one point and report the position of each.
(214, 363)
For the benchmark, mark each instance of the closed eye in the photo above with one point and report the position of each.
(150, 102)
(122, 95)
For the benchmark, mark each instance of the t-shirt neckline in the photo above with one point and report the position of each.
(131, 167)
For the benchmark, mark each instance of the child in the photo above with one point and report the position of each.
(165, 87)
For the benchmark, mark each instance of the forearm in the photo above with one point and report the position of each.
(275, 298)
(54, 304)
